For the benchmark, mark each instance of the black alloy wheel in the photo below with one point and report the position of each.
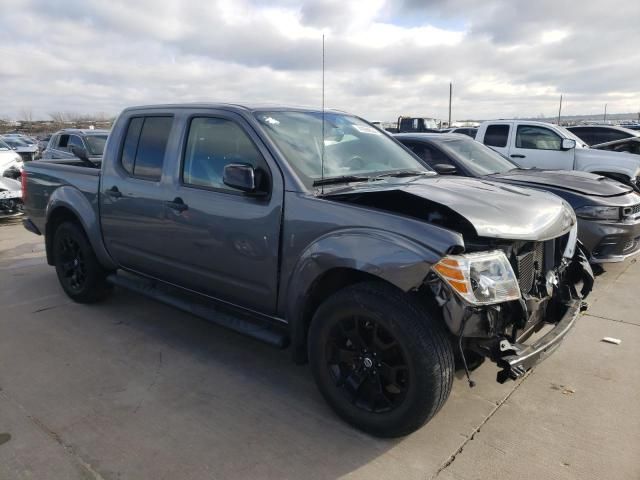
(367, 364)
(72, 263)
(81, 275)
(381, 359)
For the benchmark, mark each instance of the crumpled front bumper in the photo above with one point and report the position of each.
(517, 358)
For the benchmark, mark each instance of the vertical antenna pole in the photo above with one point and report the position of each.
(560, 110)
(322, 155)
(604, 120)
(450, 95)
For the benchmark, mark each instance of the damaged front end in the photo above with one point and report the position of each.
(500, 292)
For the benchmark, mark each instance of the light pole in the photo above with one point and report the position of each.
(560, 109)
(450, 95)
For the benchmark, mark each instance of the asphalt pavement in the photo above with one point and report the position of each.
(131, 389)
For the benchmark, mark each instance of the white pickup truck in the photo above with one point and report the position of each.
(547, 146)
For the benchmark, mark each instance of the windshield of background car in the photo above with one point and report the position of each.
(476, 157)
(95, 143)
(15, 142)
(4, 146)
(351, 146)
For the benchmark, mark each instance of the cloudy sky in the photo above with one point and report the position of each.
(384, 58)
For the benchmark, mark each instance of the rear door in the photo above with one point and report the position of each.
(496, 136)
(540, 147)
(221, 241)
(132, 196)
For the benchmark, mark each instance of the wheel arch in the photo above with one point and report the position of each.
(345, 258)
(69, 204)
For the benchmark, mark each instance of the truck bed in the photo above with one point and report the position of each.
(47, 181)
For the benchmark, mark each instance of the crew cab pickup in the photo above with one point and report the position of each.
(316, 229)
(547, 146)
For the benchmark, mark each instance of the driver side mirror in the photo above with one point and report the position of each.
(568, 144)
(80, 152)
(445, 168)
(243, 177)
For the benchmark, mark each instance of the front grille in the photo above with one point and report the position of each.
(633, 210)
(529, 264)
(26, 156)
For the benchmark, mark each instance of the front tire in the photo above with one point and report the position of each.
(79, 272)
(381, 360)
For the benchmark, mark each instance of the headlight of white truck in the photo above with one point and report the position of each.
(480, 278)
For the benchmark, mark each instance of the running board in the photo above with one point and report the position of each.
(257, 329)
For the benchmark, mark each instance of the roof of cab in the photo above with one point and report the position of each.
(85, 131)
(256, 107)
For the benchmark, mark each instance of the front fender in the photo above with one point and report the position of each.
(86, 212)
(386, 255)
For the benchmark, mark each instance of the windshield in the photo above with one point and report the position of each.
(15, 142)
(352, 147)
(476, 157)
(95, 143)
(4, 146)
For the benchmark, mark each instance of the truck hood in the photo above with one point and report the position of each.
(494, 209)
(573, 181)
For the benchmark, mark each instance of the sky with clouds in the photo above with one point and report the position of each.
(383, 58)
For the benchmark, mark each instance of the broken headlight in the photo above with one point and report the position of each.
(480, 278)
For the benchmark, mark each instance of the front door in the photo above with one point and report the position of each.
(221, 241)
(539, 147)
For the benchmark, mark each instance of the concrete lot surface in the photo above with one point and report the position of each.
(130, 389)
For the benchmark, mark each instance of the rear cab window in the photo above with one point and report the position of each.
(145, 146)
(496, 135)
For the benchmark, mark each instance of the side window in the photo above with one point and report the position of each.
(496, 135)
(74, 140)
(145, 145)
(212, 144)
(537, 138)
(64, 139)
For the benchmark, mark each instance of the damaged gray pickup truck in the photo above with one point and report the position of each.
(317, 230)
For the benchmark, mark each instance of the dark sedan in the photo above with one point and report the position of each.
(608, 211)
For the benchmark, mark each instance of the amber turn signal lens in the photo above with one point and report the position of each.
(451, 272)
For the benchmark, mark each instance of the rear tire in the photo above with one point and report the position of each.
(381, 360)
(79, 272)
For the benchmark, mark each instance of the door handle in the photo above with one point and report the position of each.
(517, 155)
(114, 192)
(177, 204)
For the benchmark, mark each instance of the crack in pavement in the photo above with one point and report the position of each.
(455, 454)
(611, 319)
(84, 466)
